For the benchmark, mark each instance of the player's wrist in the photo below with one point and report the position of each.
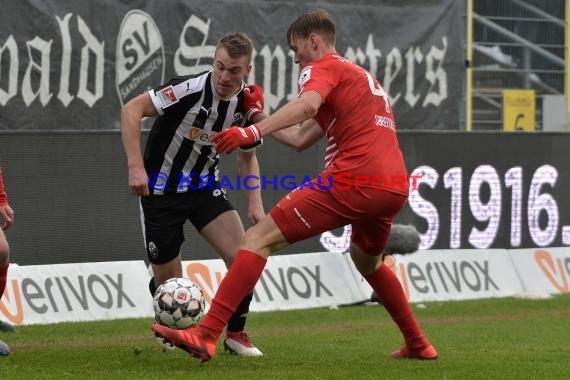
(135, 165)
(255, 131)
(252, 112)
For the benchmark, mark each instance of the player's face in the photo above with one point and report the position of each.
(303, 50)
(229, 73)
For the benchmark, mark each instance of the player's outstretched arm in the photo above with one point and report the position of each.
(300, 137)
(292, 113)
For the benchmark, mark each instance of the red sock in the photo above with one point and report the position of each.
(240, 280)
(3, 277)
(390, 292)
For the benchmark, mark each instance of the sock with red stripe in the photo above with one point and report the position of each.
(390, 292)
(240, 280)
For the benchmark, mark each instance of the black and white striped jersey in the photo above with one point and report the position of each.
(179, 153)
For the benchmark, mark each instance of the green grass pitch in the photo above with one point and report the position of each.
(482, 339)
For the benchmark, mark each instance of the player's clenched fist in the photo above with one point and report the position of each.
(253, 102)
(228, 140)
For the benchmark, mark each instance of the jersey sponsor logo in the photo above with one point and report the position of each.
(139, 62)
(305, 76)
(384, 121)
(200, 136)
(237, 118)
(167, 97)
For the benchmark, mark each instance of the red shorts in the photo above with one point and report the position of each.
(308, 212)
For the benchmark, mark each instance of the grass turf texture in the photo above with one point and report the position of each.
(482, 339)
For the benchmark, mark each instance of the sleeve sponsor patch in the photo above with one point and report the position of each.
(305, 76)
(167, 97)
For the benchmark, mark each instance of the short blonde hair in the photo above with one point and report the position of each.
(237, 45)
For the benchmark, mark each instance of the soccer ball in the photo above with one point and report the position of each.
(178, 303)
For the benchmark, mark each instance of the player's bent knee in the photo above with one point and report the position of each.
(264, 238)
(364, 262)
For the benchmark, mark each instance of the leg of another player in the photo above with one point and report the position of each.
(389, 289)
(4, 263)
(228, 225)
(163, 272)
(260, 242)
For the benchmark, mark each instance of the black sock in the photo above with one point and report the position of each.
(152, 287)
(237, 321)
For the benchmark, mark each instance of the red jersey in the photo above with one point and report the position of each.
(356, 117)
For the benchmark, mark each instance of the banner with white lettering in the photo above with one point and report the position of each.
(76, 292)
(64, 68)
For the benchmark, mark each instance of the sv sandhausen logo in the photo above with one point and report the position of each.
(140, 55)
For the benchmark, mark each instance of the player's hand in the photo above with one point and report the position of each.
(138, 181)
(255, 214)
(253, 102)
(7, 214)
(229, 139)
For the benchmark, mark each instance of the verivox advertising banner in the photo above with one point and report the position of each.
(288, 282)
(71, 65)
(442, 275)
(76, 292)
(543, 270)
(448, 275)
(101, 291)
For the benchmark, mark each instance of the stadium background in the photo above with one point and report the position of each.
(64, 74)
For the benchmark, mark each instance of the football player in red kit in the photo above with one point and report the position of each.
(7, 215)
(344, 103)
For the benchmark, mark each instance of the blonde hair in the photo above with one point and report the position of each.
(237, 45)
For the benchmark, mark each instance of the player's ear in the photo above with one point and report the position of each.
(314, 39)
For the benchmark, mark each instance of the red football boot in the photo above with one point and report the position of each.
(192, 340)
(419, 349)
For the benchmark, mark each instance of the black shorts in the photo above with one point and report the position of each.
(164, 217)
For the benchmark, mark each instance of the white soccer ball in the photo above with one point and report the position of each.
(178, 303)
